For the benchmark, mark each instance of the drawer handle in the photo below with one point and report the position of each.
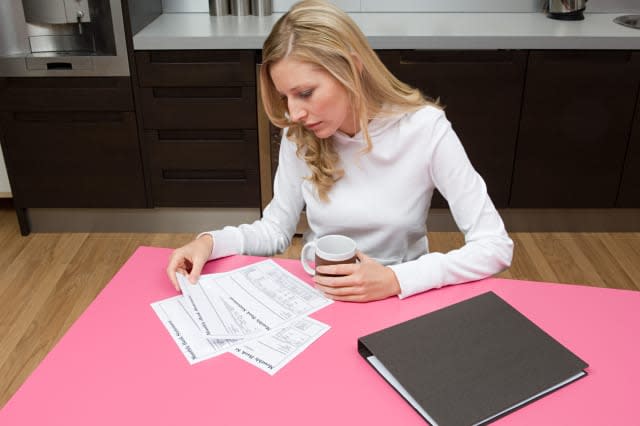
(70, 117)
(199, 57)
(489, 57)
(226, 176)
(222, 93)
(204, 136)
(562, 57)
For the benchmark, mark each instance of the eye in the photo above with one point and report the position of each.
(306, 93)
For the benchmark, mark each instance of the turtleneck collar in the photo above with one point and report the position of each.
(376, 126)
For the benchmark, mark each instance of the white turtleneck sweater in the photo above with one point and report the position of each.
(382, 203)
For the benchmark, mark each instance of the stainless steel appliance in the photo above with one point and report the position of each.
(62, 38)
(631, 21)
(566, 10)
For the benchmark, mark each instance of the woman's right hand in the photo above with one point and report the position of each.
(189, 259)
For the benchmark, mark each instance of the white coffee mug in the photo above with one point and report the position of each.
(328, 250)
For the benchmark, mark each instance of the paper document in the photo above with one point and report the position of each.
(184, 330)
(249, 301)
(261, 302)
(272, 351)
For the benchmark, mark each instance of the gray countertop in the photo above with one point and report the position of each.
(401, 31)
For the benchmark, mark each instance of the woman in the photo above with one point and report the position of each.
(364, 153)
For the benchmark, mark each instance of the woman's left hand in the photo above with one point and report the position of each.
(359, 282)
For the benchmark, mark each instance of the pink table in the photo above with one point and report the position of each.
(117, 365)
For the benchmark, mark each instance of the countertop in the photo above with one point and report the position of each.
(401, 31)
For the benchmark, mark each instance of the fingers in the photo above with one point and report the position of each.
(344, 268)
(189, 260)
(335, 291)
(363, 257)
(196, 269)
(175, 265)
(362, 282)
(341, 269)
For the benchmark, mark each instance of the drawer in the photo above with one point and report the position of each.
(204, 168)
(228, 107)
(194, 68)
(75, 159)
(65, 94)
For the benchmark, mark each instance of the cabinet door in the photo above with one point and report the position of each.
(226, 107)
(74, 159)
(195, 68)
(201, 89)
(65, 94)
(481, 92)
(576, 118)
(629, 195)
(204, 167)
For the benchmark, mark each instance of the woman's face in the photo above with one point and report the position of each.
(314, 98)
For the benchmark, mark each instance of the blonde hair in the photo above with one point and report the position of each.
(319, 33)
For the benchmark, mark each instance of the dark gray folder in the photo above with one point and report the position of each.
(471, 362)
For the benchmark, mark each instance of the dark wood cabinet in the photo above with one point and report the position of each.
(558, 129)
(66, 94)
(629, 195)
(199, 113)
(481, 92)
(204, 167)
(71, 142)
(74, 159)
(576, 120)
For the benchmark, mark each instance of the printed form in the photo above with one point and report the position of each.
(257, 312)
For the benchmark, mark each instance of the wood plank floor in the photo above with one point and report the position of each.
(48, 280)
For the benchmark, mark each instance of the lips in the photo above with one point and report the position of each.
(312, 125)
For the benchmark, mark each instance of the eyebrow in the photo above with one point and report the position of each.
(293, 89)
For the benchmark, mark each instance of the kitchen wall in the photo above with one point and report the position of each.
(594, 6)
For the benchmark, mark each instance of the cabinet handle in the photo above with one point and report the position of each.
(18, 84)
(70, 117)
(219, 93)
(590, 57)
(185, 57)
(205, 175)
(455, 57)
(209, 136)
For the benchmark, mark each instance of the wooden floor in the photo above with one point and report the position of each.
(48, 280)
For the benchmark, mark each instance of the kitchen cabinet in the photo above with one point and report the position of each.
(71, 142)
(200, 127)
(576, 120)
(481, 92)
(629, 195)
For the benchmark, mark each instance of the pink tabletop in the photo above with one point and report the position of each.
(117, 365)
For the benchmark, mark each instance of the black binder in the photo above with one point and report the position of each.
(470, 363)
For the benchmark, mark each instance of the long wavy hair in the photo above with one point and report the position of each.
(319, 33)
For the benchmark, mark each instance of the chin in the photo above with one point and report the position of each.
(324, 133)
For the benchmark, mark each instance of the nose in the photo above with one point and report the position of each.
(296, 111)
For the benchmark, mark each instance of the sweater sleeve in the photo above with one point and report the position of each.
(273, 232)
(488, 248)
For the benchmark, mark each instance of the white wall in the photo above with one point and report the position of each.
(596, 6)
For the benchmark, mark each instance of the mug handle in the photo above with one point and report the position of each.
(304, 257)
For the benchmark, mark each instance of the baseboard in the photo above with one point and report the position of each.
(164, 220)
(195, 220)
(551, 220)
